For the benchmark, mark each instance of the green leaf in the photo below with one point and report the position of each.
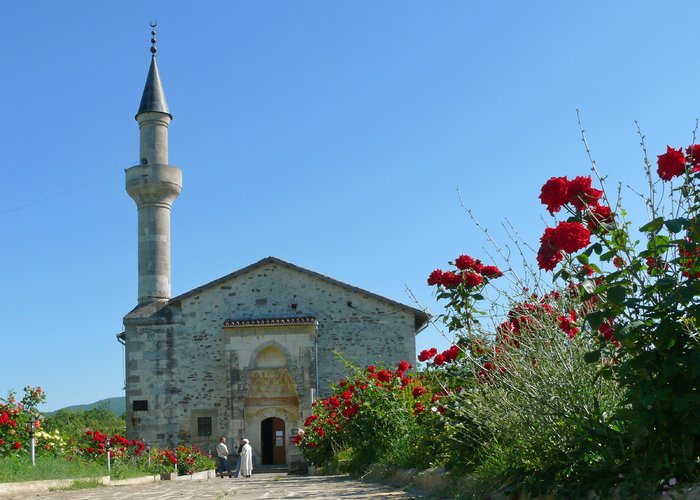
(608, 255)
(616, 295)
(665, 283)
(676, 225)
(653, 226)
(592, 357)
(595, 319)
(660, 241)
(670, 368)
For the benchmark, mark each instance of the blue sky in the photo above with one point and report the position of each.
(334, 135)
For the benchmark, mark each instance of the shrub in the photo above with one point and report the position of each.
(375, 415)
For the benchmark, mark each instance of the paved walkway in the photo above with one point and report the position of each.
(274, 485)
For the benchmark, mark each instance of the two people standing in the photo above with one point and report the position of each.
(244, 464)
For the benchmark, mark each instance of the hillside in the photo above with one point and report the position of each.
(116, 404)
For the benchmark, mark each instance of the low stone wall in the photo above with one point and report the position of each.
(437, 483)
(434, 481)
(205, 474)
(30, 487)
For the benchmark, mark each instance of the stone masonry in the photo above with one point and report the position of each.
(251, 346)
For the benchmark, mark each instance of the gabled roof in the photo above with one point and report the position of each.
(421, 318)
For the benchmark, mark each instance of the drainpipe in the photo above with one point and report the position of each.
(316, 348)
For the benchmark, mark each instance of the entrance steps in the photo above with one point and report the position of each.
(265, 469)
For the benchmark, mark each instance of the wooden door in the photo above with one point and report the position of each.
(274, 449)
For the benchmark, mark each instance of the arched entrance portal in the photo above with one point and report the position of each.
(272, 439)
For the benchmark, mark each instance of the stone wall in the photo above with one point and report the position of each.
(187, 365)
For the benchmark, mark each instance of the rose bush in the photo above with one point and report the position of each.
(14, 421)
(650, 305)
(375, 415)
(87, 446)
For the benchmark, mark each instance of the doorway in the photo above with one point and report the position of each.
(274, 451)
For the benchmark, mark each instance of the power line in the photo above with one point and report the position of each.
(56, 195)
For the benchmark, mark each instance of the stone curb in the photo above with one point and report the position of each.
(39, 486)
(28, 487)
(205, 474)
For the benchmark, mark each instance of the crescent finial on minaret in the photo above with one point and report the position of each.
(153, 37)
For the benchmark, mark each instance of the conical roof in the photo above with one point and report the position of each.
(153, 98)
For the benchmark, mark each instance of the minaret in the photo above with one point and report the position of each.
(154, 185)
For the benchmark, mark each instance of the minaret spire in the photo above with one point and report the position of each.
(153, 185)
(153, 98)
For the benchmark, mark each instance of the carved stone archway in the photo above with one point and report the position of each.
(272, 394)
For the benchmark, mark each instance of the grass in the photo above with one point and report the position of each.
(16, 470)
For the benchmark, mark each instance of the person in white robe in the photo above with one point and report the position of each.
(246, 459)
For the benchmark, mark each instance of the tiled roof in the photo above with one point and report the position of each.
(306, 320)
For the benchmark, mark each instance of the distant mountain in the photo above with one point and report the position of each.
(117, 405)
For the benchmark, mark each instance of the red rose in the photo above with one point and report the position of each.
(671, 164)
(472, 279)
(426, 354)
(403, 365)
(606, 330)
(491, 272)
(16, 445)
(571, 236)
(581, 194)
(465, 262)
(693, 153)
(418, 392)
(618, 262)
(450, 279)
(548, 257)
(554, 193)
(419, 409)
(371, 368)
(568, 324)
(451, 353)
(597, 215)
(439, 360)
(435, 277)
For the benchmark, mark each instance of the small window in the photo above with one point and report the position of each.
(140, 405)
(204, 426)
